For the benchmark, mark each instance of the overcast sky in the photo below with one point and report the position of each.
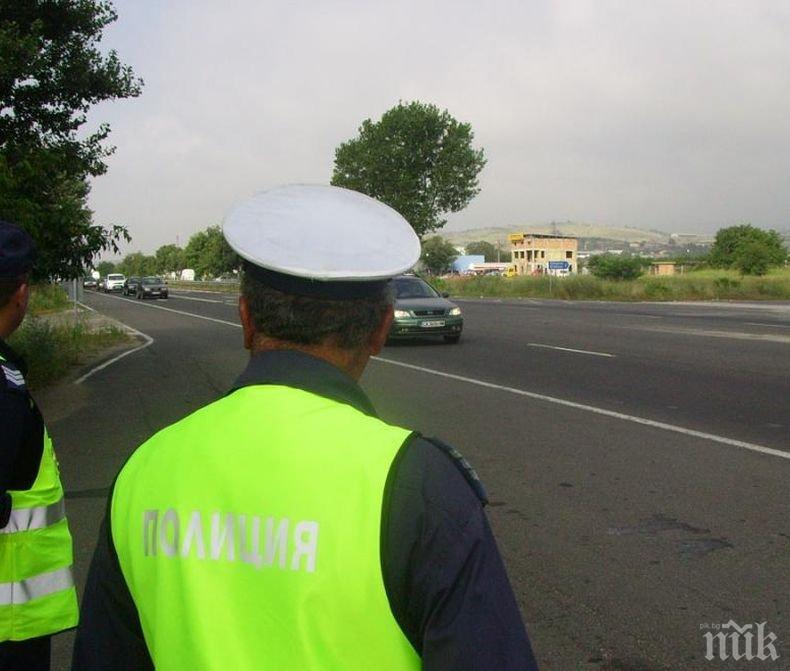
(664, 114)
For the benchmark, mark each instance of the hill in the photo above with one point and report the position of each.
(573, 229)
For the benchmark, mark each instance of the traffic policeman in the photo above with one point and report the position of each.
(286, 526)
(37, 596)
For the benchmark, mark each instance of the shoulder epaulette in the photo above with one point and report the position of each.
(469, 473)
(13, 376)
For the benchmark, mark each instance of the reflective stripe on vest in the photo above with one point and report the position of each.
(37, 595)
(249, 536)
(36, 587)
(26, 519)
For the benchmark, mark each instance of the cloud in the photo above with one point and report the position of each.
(666, 115)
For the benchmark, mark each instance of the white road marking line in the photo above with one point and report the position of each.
(569, 349)
(731, 335)
(192, 298)
(776, 326)
(143, 304)
(148, 342)
(598, 411)
(541, 397)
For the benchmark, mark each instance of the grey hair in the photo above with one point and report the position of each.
(304, 320)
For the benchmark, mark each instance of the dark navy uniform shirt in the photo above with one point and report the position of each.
(21, 430)
(443, 574)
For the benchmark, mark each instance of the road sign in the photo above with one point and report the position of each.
(558, 265)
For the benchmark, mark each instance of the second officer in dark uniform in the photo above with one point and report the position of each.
(285, 526)
(37, 596)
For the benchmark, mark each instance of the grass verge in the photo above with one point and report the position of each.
(221, 287)
(697, 286)
(50, 349)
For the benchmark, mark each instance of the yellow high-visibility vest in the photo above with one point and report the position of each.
(249, 536)
(37, 595)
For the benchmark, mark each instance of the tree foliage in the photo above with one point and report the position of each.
(437, 255)
(137, 264)
(209, 254)
(169, 259)
(754, 258)
(613, 267)
(51, 73)
(105, 268)
(750, 249)
(486, 249)
(417, 159)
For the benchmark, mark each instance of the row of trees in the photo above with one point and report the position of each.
(206, 253)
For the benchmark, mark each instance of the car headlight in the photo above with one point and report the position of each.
(454, 312)
(402, 314)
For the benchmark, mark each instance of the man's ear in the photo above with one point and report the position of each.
(22, 295)
(379, 337)
(247, 322)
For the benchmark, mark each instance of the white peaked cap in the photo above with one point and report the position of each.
(323, 234)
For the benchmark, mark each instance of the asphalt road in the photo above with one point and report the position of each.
(635, 455)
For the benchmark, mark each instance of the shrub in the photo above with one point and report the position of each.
(611, 267)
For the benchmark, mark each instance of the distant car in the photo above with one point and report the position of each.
(420, 310)
(89, 283)
(152, 287)
(113, 282)
(130, 286)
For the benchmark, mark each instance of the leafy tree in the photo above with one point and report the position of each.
(613, 267)
(137, 264)
(753, 258)
(51, 73)
(169, 258)
(486, 249)
(738, 246)
(209, 255)
(105, 268)
(417, 159)
(437, 255)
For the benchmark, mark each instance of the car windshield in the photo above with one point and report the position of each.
(413, 287)
(115, 277)
(152, 280)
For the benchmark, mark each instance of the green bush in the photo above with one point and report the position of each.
(611, 267)
(748, 248)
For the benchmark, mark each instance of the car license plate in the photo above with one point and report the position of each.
(432, 323)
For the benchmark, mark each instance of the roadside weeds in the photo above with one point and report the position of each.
(55, 340)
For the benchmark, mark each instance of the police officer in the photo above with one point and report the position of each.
(285, 526)
(37, 596)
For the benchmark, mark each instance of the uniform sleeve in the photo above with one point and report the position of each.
(445, 579)
(109, 636)
(13, 425)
